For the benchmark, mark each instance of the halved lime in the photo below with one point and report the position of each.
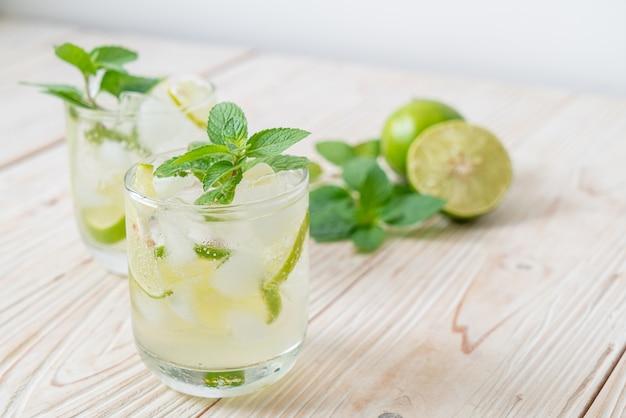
(193, 94)
(464, 164)
(105, 224)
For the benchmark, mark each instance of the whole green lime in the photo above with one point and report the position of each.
(406, 123)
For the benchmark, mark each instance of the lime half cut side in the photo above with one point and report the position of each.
(462, 163)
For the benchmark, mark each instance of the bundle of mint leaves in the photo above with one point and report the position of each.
(102, 70)
(366, 203)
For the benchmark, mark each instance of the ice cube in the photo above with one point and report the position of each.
(169, 186)
(246, 326)
(180, 249)
(159, 124)
(258, 183)
(112, 156)
(130, 102)
(241, 275)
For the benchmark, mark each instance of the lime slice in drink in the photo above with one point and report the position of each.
(270, 289)
(143, 181)
(464, 164)
(105, 224)
(195, 96)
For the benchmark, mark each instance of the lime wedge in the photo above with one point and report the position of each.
(149, 287)
(143, 181)
(271, 288)
(193, 95)
(105, 224)
(464, 164)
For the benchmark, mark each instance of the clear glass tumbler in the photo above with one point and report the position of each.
(104, 144)
(219, 293)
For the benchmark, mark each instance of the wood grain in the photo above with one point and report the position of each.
(521, 313)
(611, 402)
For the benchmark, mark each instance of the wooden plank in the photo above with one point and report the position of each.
(611, 402)
(26, 54)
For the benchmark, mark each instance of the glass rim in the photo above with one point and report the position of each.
(116, 114)
(272, 201)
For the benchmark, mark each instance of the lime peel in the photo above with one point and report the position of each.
(104, 225)
(271, 288)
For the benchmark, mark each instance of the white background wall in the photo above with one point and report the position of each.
(574, 44)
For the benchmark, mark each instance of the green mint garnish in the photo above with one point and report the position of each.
(220, 163)
(102, 70)
(222, 379)
(159, 251)
(367, 202)
(99, 133)
(212, 252)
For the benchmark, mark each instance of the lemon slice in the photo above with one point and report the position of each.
(105, 224)
(464, 164)
(195, 96)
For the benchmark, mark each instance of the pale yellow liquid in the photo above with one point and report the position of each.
(192, 317)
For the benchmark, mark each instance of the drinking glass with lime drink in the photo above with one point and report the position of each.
(113, 121)
(218, 258)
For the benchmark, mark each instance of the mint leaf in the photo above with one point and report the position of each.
(355, 170)
(215, 172)
(104, 65)
(221, 115)
(200, 153)
(159, 252)
(282, 162)
(374, 192)
(212, 252)
(99, 133)
(225, 379)
(368, 238)
(274, 141)
(197, 167)
(369, 148)
(408, 209)
(235, 132)
(333, 213)
(112, 57)
(336, 152)
(68, 93)
(230, 153)
(76, 56)
(223, 195)
(115, 82)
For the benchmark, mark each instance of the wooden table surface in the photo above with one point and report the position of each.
(519, 314)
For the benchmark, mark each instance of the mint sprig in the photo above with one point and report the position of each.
(367, 203)
(102, 70)
(220, 163)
